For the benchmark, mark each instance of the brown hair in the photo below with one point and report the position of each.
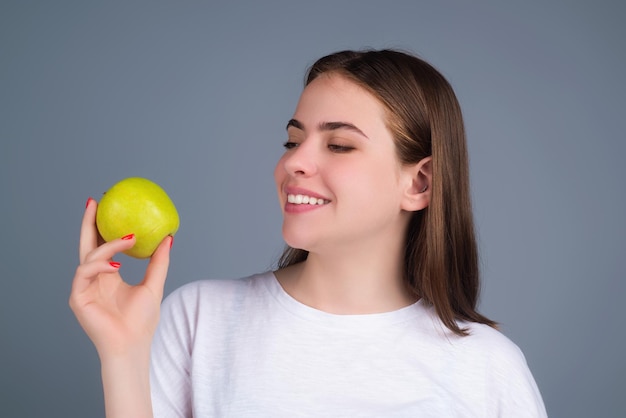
(424, 116)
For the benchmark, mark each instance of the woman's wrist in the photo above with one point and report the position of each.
(126, 383)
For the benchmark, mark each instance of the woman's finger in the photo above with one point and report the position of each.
(91, 242)
(86, 273)
(156, 272)
(107, 250)
(88, 231)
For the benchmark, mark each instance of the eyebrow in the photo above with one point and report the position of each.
(328, 126)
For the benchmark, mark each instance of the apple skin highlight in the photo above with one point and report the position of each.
(137, 206)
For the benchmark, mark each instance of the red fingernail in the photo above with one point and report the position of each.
(127, 237)
(88, 201)
(171, 241)
(115, 264)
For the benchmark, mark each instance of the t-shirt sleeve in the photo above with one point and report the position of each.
(515, 389)
(170, 381)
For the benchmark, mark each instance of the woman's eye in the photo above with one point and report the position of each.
(339, 148)
(290, 145)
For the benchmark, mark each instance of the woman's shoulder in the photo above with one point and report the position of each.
(497, 355)
(222, 284)
(491, 345)
(510, 372)
(480, 339)
(491, 357)
(483, 346)
(217, 292)
(481, 336)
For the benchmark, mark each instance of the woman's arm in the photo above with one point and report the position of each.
(120, 319)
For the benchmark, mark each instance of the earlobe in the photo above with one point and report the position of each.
(417, 194)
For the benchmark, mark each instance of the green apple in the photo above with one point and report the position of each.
(137, 206)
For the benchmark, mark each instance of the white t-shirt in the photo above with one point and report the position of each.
(245, 348)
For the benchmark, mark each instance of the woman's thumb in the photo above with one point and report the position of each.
(156, 272)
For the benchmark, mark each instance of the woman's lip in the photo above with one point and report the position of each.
(294, 208)
(303, 207)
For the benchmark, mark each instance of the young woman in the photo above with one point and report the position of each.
(372, 311)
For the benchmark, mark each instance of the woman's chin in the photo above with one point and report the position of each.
(298, 241)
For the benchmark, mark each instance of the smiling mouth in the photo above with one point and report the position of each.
(301, 199)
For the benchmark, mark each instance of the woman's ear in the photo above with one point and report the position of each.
(417, 194)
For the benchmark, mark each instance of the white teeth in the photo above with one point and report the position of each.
(300, 199)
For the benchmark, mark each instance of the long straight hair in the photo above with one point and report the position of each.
(424, 117)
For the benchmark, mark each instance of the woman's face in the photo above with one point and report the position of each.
(339, 181)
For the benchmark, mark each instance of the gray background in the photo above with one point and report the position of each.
(195, 95)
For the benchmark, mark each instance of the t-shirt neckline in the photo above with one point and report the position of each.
(295, 307)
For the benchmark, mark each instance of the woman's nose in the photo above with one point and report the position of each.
(301, 160)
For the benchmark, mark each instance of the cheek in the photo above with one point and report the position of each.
(279, 171)
(378, 182)
(279, 178)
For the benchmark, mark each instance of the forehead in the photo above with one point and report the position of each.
(332, 97)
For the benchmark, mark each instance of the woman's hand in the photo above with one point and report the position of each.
(120, 319)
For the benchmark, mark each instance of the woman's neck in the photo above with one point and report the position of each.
(347, 284)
